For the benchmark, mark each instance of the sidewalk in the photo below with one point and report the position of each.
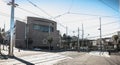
(19, 52)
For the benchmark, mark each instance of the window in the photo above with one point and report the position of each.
(36, 27)
(43, 28)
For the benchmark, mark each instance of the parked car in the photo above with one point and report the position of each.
(37, 49)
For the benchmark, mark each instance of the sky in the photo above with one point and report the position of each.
(68, 13)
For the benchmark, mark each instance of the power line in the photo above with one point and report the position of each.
(7, 15)
(29, 11)
(57, 16)
(70, 6)
(65, 12)
(93, 15)
(60, 15)
(65, 27)
(103, 24)
(82, 19)
(103, 35)
(44, 12)
(39, 8)
(108, 33)
(4, 14)
(108, 5)
(117, 28)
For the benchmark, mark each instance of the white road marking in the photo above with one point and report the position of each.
(98, 53)
(41, 59)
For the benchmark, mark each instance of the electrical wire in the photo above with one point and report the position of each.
(39, 8)
(65, 12)
(7, 15)
(103, 24)
(107, 5)
(109, 33)
(93, 15)
(71, 6)
(103, 35)
(82, 20)
(60, 15)
(28, 11)
(44, 12)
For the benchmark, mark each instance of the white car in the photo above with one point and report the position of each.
(37, 49)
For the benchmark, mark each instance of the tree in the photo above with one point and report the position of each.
(3, 37)
(115, 41)
(30, 41)
(50, 40)
(69, 39)
(64, 37)
(66, 40)
(115, 38)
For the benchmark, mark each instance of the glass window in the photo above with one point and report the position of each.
(36, 27)
(42, 28)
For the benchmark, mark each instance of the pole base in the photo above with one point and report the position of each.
(11, 56)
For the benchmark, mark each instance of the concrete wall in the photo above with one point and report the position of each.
(19, 34)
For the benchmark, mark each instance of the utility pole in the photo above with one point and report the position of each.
(11, 27)
(82, 34)
(78, 40)
(66, 30)
(0, 42)
(4, 37)
(49, 35)
(100, 34)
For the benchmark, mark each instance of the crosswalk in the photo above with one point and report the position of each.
(39, 59)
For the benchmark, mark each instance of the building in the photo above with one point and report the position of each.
(39, 30)
(36, 33)
(19, 34)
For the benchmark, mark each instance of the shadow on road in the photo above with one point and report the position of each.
(23, 61)
(3, 56)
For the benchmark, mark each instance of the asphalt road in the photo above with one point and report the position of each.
(92, 58)
(26, 57)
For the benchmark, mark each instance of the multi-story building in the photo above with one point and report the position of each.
(36, 33)
(39, 30)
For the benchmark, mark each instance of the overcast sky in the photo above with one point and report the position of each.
(81, 11)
